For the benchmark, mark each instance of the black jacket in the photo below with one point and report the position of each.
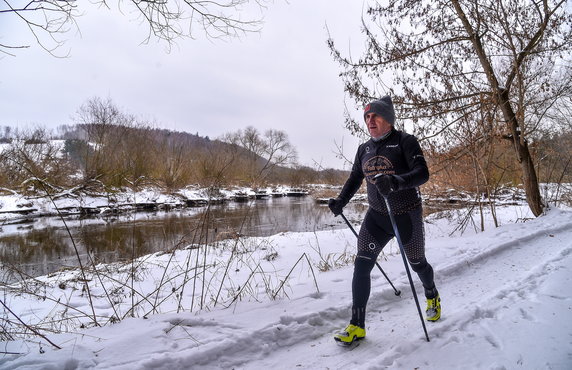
(398, 154)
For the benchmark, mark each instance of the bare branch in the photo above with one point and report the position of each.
(167, 20)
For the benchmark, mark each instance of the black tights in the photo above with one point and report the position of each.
(375, 233)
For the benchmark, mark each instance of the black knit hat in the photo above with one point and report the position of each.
(382, 107)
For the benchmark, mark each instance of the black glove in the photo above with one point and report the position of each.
(385, 184)
(336, 206)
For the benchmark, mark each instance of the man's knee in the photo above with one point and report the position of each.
(419, 266)
(363, 264)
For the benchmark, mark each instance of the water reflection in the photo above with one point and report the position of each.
(43, 245)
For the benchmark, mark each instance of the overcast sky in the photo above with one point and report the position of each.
(282, 78)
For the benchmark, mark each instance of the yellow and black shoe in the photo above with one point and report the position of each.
(433, 311)
(350, 334)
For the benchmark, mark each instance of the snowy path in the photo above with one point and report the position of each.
(489, 284)
(504, 286)
(507, 303)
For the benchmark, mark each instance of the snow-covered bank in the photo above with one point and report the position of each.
(15, 206)
(77, 201)
(507, 299)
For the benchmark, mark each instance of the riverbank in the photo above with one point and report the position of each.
(16, 207)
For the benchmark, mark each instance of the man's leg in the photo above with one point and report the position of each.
(413, 237)
(414, 247)
(372, 238)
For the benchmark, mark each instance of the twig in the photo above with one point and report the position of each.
(232, 255)
(28, 326)
(292, 269)
(243, 286)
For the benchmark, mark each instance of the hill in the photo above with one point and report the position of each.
(120, 155)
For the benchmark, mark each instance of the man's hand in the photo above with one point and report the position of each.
(336, 206)
(385, 184)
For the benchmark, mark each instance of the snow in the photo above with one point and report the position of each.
(506, 297)
(15, 206)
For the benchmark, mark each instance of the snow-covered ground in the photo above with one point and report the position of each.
(506, 298)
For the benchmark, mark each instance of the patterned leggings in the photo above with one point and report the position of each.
(375, 233)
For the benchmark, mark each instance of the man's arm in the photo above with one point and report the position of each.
(418, 171)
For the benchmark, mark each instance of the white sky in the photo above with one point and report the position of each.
(282, 78)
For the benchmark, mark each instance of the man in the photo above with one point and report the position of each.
(393, 165)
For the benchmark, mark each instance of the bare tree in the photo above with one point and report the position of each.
(105, 127)
(263, 153)
(31, 157)
(134, 164)
(452, 62)
(167, 20)
(215, 165)
(172, 163)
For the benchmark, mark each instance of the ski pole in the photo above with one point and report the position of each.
(397, 292)
(398, 237)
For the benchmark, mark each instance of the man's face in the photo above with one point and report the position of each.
(376, 125)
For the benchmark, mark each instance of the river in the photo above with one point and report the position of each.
(43, 245)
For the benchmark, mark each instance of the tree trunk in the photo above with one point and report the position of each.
(529, 180)
(520, 145)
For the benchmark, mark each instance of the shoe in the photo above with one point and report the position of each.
(350, 334)
(433, 311)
